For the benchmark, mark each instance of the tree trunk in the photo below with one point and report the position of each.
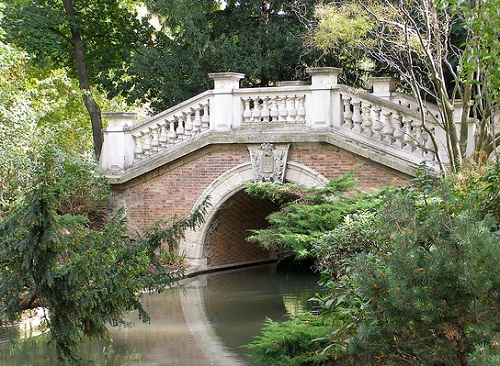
(83, 79)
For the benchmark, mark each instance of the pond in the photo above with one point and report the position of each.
(204, 321)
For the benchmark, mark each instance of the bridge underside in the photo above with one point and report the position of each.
(226, 243)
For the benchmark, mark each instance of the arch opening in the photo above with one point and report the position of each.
(225, 243)
(226, 194)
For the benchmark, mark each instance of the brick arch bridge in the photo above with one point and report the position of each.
(214, 143)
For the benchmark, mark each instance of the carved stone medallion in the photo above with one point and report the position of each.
(269, 162)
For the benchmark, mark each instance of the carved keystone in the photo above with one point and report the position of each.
(269, 162)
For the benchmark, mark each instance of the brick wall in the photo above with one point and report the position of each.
(173, 190)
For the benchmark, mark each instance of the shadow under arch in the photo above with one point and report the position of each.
(221, 190)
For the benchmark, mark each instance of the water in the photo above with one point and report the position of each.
(203, 322)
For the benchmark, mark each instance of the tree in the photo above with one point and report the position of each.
(261, 39)
(439, 51)
(306, 213)
(415, 281)
(482, 57)
(93, 38)
(428, 291)
(35, 105)
(54, 254)
(58, 249)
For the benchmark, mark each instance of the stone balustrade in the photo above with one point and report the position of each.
(391, 124)
(171, 128)
(286, 109)
(383, 117)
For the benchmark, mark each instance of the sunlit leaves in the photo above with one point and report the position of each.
(347, 25)
(109, 30)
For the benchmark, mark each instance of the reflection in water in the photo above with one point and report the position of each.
(203, 322)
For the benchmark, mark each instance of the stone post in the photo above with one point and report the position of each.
(321, 104)
(225, 112)
(118, 148)
(384, 86)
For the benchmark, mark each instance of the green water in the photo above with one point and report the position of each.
(205, 321)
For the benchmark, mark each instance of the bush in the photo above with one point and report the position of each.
(298, 341)
(431, 290)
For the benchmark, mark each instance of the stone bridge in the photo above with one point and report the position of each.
(215, 142)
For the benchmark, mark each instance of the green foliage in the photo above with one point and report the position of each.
(109, 31)
(37, 108)
(86, 276)
(483, 52)
(429, 291)
(338, 26)
(297, 341)
(306, 213)
(262, 40)
(357, 233)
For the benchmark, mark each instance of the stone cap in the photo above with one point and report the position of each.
(324, 77)
(226, 80)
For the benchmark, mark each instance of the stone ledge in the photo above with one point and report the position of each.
(389, 156)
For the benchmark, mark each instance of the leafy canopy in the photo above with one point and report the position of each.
(263, 40)
(110, 31)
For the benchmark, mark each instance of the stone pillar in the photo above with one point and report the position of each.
(321, 104)
(225, 112)
(384, 86)
(118, 148)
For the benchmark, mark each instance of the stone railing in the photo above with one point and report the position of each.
(382, 118)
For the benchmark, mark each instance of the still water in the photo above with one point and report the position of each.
(204, 321)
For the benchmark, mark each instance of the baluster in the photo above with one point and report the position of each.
(154, 140)
(172, 136)
(398, 130)
(301, 109)
(292, 112)
(139, 151)
(274, 113)
(387, 128)
(205, 119)
(429, 145)
(407, 138)
(425, 137)
(189, 124)
(282, 110)
(247, 113)
(163, 133)
(367, 119)
(255, 111)
(265, 110)
(417, 138)
(147, 142)
(180, 127)
(347, 112)
(377, 125)
(197, 121)
(356, 116)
